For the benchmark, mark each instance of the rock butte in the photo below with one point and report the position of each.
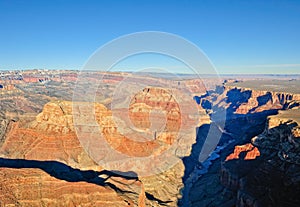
(52, 136)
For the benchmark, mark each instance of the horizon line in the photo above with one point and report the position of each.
(220, 74)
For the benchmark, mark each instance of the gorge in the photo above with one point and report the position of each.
(255, 163)
(235, 176)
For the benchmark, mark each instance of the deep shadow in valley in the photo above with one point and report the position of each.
(207, 190)
(272, 179)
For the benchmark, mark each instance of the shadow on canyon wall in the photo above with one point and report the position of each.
(272, 179)
(238, 128)
(64, 172)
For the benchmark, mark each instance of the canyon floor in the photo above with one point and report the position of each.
(238, 143)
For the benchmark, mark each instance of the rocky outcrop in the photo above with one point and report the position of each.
(48, 137)
(282, 135)
(258, 101)
(250, 151)
(273, 178)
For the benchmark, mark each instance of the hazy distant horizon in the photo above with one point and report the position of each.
(153, 72)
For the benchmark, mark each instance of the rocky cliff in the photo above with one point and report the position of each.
(44, 151)
(51, 137)
(35, 145)
(247, 100)
(272, 179)
(237, 176)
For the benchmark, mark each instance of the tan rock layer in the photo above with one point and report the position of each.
(33, 187)
(51, 136)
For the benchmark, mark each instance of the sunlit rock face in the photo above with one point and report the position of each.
(159, 99)
(51, 136)
(53, 129)
(251, 152)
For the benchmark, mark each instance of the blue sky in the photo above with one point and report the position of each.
(238, 36)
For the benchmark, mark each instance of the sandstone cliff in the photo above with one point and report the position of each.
(51, 137)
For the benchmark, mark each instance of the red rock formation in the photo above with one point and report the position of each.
(51, 136)
(251, 152)
(167, 108)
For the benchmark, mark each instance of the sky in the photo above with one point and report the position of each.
(238, 36)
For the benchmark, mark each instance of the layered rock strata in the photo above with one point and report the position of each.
(51, 136)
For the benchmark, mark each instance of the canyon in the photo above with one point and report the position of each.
(262, 126)
(44, 163)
